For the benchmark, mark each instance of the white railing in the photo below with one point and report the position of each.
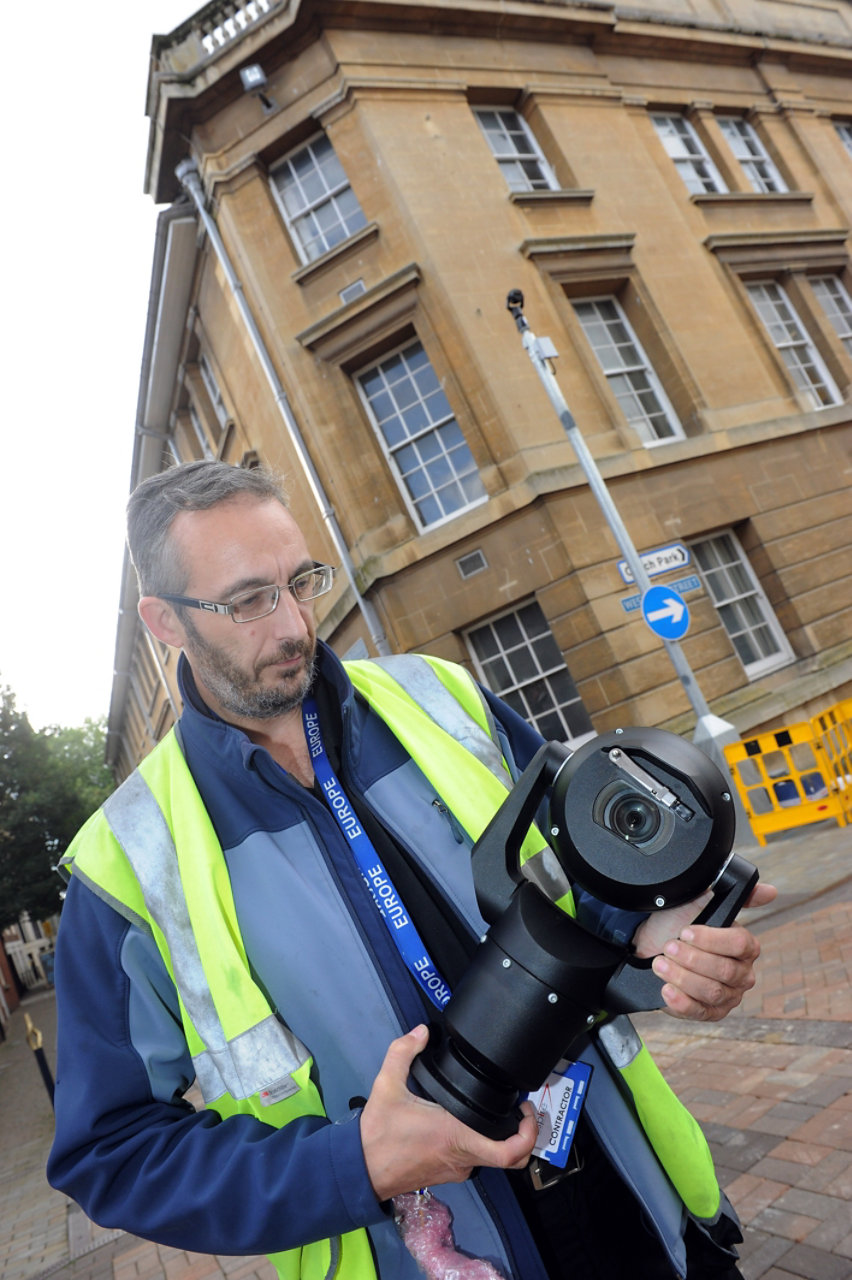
(212, 29)
(26, 957)
(231, 22)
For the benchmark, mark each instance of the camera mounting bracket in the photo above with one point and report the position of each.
(496, 856)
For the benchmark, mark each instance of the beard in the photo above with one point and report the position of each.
(239, 691)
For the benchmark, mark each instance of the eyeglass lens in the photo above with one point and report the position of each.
(262, 600)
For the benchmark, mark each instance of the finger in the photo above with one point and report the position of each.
(509, 1153)
(735, 941)
(402, 1052)
(762, 894)
(702, 985)
(729, 962)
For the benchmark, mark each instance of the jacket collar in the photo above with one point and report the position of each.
(201, 728)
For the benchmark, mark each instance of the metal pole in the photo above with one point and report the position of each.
(190, 179)
(34, 1040)
(711, 732)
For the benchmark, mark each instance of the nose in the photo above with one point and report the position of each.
(289, 621)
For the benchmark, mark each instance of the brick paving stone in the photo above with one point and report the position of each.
(816, 1205)
(844, 1248)
(743, 1151)
(788, 1117)
(795, 1175)
(832, 1127)
(825, 1091)
(815, 1264)
(752, 1194)
(759, 1251)
(833, 1174)
(795, 1226)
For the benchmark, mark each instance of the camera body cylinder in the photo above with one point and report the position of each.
(535, 983)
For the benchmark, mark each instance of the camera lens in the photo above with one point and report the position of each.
(633, 818)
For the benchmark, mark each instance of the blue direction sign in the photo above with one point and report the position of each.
(665, 612)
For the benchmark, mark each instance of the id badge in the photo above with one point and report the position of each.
(558, 1104)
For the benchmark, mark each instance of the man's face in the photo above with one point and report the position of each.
(253, 670)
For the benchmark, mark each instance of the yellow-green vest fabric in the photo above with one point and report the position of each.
(191, 913)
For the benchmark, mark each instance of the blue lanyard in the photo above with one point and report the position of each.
(401, 929)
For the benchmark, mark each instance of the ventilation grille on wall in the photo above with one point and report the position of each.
(353, 290)
(470, 564)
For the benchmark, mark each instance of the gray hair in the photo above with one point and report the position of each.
(189, 486)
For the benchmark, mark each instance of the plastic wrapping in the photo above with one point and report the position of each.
(425, 1225)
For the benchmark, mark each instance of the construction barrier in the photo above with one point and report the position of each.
(796, 775)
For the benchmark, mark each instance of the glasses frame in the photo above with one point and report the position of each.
(227, 606)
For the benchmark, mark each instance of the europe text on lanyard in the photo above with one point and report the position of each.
(401, 929)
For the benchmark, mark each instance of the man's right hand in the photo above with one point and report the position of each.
(409, 1142)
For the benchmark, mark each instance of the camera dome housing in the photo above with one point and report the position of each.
(641, 818)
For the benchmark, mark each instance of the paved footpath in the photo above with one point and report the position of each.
(771, 1086)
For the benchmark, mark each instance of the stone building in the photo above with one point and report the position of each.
(353, 189)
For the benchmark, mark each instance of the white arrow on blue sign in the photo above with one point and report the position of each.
(665, 612)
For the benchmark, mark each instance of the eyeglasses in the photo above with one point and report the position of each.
(248, 606)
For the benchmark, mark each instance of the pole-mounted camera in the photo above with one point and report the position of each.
(641, 819)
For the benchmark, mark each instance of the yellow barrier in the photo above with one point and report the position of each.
(796, 775)
(834, 728)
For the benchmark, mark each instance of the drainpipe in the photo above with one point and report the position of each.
(188, 176)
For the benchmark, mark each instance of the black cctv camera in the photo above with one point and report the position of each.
(642, 820)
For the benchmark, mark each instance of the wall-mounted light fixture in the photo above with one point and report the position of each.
(254, 81)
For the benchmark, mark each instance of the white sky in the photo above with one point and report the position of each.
(77, 245)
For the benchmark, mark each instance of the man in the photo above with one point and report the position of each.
(218, 926)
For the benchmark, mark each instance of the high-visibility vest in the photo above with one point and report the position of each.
(152, 853)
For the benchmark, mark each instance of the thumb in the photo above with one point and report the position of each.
(402, 1052)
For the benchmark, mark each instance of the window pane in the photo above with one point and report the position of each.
(743, 610)
(425, 443)
(516, 150)
(509, 631)
(687, 151)
(752, 155)
(794, 344)
(319, 205)
(519, 659)
(837, 304)
(631, 378)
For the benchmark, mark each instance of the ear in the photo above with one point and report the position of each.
(162, 621)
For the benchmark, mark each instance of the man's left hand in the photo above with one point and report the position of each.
(705, 971)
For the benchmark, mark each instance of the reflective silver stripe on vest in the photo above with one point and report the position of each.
(259, 1058)
(547, 874)
(621, 1041)
(425, 687)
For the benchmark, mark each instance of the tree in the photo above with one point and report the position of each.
(50, 782)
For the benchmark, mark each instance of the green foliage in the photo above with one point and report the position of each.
(50, 782)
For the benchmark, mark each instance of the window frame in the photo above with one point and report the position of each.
(547, 180)
(329, 197)
(840, 318)
(751, 155)
(411, 500)
(843, 129)
(806, 341)
(207, 450)
(665, 406)
(688, 134)
(542, 675)
(214, 391)
(784, 654)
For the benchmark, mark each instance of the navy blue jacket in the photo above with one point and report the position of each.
(129, 1147)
